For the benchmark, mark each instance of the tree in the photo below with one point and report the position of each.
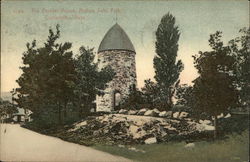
(240, 49)
(62, 78)
(150, 93)
(134, 100)
(48, 76)
(90, 81)
(184, 95)
(167, 69)
(214, 90)
(6, 108)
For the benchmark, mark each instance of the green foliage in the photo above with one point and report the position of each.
(149, 97)
(184, 95)
(235, 124)
(53, 82)
(48, 76)
(167, 69)
(134, 100)
(151, 93)
(240, 49)
(90, 81)
(6, 108)
(47, 121)
(214, 90)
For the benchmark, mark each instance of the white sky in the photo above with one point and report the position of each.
(21, 22)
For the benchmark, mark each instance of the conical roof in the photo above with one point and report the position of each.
(116, 39)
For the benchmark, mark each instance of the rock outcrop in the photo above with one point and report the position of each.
(133, 129)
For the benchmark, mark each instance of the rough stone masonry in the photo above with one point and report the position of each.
(117, 51)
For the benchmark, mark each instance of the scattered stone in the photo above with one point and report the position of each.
(150, 140)
(150, 113)
(132, 148)
(220, 116)
(163, 114)
(136, 150)
(228, 116)
(78, 125)
(176, 115)
(142, 111)
(139, 122)
(100, 117)
(204, 127)
(190, 145)
(156, 110)
(105, 131)
(183, 115)
(207, 122)
(140, 134)
(123, 111)
(81, 124)
(169, 127)
(122, 146)
(131, 129)
(95, 133)
(175, 121)
(132, 112)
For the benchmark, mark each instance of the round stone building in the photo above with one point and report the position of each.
(117, 51)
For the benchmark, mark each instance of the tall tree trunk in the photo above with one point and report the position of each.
(80, 110)
(169, 99)
(65, 110)
(59, 114)
(215, 126)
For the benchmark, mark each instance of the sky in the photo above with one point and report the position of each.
(84, 23)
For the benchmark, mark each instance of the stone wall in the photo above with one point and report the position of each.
(123, 63)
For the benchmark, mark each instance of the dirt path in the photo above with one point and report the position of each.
(19, 144)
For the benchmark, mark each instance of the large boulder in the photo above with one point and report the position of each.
(142, 111)
(150, 140)
(132, 112)
(227, 116)
(156, 111)
(220, 116)
(133, 129)
(150, 113)
(139, 134)
(165, 114)
(183, 115)
(190, 145)
(123, 111)
(204, 127)
(207, 122)
(176, 115)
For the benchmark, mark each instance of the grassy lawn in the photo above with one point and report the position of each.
(235, 148)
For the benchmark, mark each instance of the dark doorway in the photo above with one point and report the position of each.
(117, 100)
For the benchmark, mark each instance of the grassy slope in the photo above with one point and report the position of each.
(236, 148)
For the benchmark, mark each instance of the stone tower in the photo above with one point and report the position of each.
(117, 51)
